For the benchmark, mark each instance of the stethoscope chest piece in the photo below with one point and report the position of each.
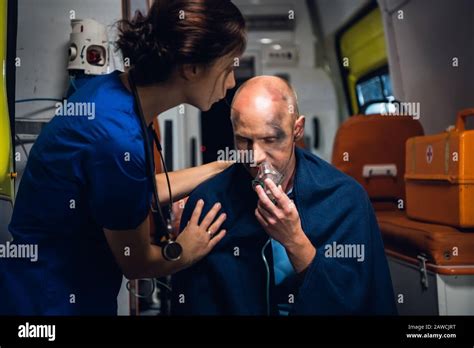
(172, 250)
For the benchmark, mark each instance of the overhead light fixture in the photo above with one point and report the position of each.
(266, 40)
(276, 47)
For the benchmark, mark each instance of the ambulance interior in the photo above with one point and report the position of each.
(406, 65)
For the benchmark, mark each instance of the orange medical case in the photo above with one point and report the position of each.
(371, 149)
(439, 176)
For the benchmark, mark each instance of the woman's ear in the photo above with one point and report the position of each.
(191, 72)
(298, 132)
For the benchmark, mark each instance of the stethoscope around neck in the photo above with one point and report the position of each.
(171, 250)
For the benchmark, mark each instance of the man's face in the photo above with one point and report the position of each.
(263, 126)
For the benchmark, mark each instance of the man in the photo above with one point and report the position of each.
(310, 246)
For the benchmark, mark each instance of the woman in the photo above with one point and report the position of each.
(85, 197)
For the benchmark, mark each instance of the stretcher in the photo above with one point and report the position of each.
(432, 266)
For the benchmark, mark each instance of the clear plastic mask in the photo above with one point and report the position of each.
(266, 170)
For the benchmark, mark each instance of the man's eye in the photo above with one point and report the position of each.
(270, 140)
(242, 140)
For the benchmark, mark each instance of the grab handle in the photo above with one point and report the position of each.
(372, 170)
(461, 118)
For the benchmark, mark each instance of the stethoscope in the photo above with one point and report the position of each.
(171, 250)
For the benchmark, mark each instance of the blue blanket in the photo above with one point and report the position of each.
(349, 274)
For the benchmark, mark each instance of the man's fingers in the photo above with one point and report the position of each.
(217, 224)
(217, 238)
(264, 212)
(197, 212)
(265, 201)
(260, 218)
(290, 206)
(209, 218)
(281, 198)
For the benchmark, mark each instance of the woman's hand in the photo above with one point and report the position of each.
(198, 240)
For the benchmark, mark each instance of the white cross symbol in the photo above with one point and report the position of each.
(429, 154)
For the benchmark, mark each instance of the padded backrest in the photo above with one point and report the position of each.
(371, 149)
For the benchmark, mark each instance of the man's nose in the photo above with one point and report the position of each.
(259, 155)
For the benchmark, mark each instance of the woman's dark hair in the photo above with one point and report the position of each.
(176, 32)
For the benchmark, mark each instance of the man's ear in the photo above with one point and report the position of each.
(298, 131)
(190, 72)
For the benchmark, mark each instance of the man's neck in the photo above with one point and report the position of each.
(287, 184)
(155, 99)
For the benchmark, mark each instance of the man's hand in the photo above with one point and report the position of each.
(282, 222)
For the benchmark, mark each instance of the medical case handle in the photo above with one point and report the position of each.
(372, 170)
(461, 118)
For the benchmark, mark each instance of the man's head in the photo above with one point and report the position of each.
(265, 120)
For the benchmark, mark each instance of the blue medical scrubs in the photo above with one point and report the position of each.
(85, 172)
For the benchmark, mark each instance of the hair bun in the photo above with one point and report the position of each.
(142, 45)
(157, 43)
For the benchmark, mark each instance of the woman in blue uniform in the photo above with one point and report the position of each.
(85, 196)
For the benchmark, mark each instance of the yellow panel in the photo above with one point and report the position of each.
(364, 45)
(6, 153)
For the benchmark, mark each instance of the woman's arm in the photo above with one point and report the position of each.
(183, 181)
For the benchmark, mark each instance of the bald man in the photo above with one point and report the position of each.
(308, 244)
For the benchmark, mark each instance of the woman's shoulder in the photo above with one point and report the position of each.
(104, 92)
(101, 110)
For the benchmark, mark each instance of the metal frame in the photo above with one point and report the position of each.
(126, 8)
